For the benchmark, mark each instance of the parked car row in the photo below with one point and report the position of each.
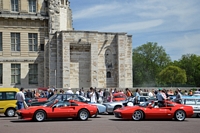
(79, 107)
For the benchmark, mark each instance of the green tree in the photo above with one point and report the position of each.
(191, 64)
(148, 61)
(172, 75)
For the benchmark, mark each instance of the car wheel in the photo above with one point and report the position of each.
(40, 116)
(83, 114)
(198, 115)
(180, 115)
(10, 112)
(137, 115)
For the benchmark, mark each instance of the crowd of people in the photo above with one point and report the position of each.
(103, 95)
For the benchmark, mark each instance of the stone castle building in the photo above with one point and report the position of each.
(39, 47)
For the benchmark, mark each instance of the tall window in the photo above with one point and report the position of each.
(33, 74)
(15, 5)
(1, 74)
(15, 41)
(32, 40)
(15, 73)
(32, 5)
(0, 41)
(108, 74)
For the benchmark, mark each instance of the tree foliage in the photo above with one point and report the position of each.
(191, 64)
(148, 60)
(172, 75)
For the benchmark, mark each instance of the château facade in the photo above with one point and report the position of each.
(39, 47)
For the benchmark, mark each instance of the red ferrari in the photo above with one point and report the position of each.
(55, 109)
(169, 111)
(119, 96)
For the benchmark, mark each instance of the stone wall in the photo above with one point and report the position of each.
(86, 58)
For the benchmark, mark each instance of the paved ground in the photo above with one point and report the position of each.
(102, 124)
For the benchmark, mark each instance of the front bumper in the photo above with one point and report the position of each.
(117, 114)
(19, 115)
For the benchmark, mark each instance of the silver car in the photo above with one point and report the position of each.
(194, 102)
(111, 106)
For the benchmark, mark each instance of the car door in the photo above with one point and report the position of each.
(60, 110)
(156, 113)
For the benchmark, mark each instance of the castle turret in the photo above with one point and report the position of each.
(60, 16)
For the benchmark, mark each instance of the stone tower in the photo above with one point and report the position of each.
(60, 16)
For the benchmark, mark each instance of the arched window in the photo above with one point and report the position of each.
(108, 59)
(108, 74)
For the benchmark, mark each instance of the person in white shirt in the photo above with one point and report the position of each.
(150, 94)
(77, 92)
(92, 96)
(69, 91)
(20, 99)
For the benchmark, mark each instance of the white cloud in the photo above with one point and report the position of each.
(172, 23)
(96, 11)
(187, 44)
(128, 27)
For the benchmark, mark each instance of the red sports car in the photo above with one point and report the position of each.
(150, 111)
(55, 109)
(119, 96)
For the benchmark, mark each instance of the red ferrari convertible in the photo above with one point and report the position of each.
(150, 111)
(55, 109)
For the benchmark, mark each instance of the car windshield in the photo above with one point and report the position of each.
(48, 104)
(52, 97)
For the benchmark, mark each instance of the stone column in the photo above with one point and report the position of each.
(128, 64)
(121, 41)
(52, 59)
(94, 60)
(66, 60)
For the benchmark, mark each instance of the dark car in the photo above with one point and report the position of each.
(60, 97)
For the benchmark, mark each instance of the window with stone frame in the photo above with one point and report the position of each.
(1, 73)
(15, 41)
(15, 5)
(15, 74)
(108, 75)
(33, 41)
(33, 73)
(0, 41)
(32, 6)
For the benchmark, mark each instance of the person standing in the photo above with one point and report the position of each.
(29, 94)
(92, 95)
(20, 99)
(178, 98)
(161, 98)
(69, 91)
(128, 92)
(137, 97)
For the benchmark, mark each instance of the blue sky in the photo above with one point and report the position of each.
(173, 24)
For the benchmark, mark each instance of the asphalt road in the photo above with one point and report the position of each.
(102, 124)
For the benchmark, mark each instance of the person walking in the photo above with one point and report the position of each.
(20, 99)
